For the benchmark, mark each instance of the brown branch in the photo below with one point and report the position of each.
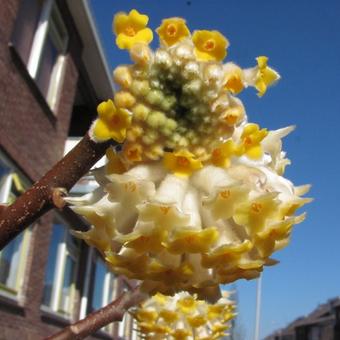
(102, 317)
(47, 192)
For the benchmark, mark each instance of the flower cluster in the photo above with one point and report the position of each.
(183, 316)
(179, 97)
(195, 196)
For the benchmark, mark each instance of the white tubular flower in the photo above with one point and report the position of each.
(261, 76)
(195, 196)
(188, 227)
(183, 316)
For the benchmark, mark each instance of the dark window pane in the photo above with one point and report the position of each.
(4, 171)
(48, 59)
(57, 238)
(69, 279)
(25, 27)
(99, 279)
(9, 262)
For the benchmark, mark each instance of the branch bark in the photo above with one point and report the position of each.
(44, 194)
(102, 317)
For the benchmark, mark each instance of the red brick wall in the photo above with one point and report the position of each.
(31, 135)
(33, 138)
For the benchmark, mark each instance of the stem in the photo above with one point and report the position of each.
(102, 317)
(45, 193)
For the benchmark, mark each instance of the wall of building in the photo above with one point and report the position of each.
(29, 132)
(32, 137)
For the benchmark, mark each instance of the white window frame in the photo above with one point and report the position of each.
(124, 326)
(11, 178)
(46, 23)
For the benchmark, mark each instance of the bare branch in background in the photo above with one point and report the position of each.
(93, 322)
(47, 192)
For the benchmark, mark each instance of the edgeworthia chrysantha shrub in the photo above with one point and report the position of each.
(195, 195)
(183, 316)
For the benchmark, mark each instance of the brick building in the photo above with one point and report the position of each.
(323, 323)
(52, 74)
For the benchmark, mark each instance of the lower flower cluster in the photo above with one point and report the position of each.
(178, 232)
(183, 316)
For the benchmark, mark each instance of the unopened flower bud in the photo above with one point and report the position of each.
(140, 88)
(147, 140)
(221, 103)
(213, 73)
(191, 70)
(156, 119)
(140, 111)
(168, 103)
(184, 52)
(183, 142)
(141, 54)
(124, 99)
(171, 124)
(166, 132)
(122, 76)
(155, 97)
(133, 133)
(163, 59)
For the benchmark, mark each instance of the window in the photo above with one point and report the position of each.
(315, 333)
(100, 286)
(61, 270)
(125, 326)
(40, 38)
(12, 257)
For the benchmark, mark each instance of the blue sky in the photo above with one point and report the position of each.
(302, 40)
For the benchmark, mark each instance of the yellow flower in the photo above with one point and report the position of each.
(233, 115)
(225, 202)
(197, 321)
(146, 315)
(131, 29)
(214, 311)
(187, 304)
(266, 76)
(192, 241)
(172, 30)
(114, 164)
(256, 213)
(169, 316)
(182, 163)
(251, 141)
(234, 84)
(222, 154)
(234, 78)
(133, 152)
(160, 298)
(181, 334)
(146, 243)
(277, 231)
(112, 123)
(226, 254)
(210, 45)
(184, 317)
